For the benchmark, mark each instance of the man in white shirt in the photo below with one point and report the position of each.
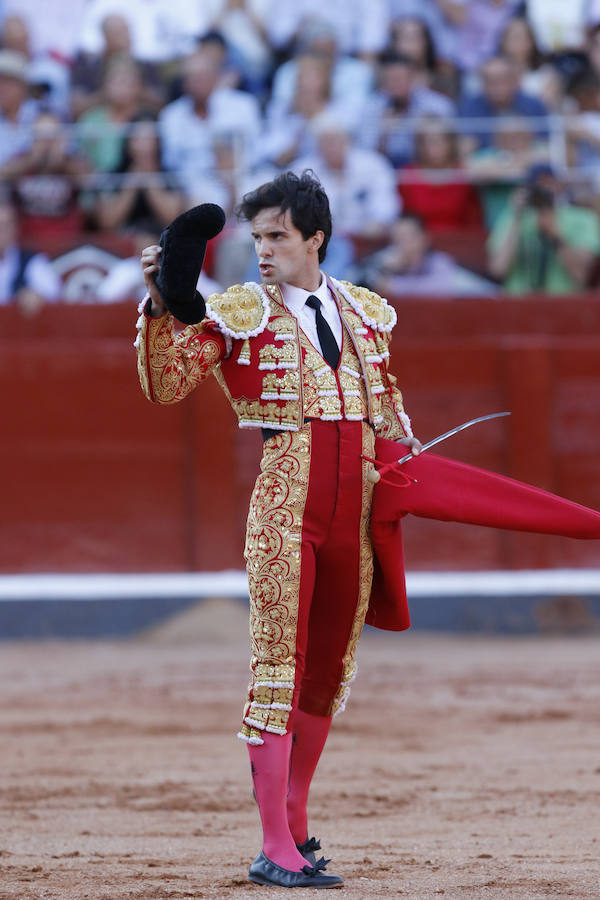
(392, 110)
(161, 30)
(190, 124)
(351, 79)
(360, 184)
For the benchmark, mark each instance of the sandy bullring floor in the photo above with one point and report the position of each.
(464, 767)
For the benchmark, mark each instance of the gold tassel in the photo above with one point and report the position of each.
(381, 345)
(244, 356)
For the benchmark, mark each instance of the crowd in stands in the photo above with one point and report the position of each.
(432, 124)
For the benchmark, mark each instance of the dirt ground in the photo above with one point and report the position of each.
(464, 767)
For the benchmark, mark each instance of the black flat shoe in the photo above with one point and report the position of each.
(263, 871)
(308, 848)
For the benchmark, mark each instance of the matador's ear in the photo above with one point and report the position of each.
(184, 244)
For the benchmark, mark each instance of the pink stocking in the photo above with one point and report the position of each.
(310, 734)
(270, 763)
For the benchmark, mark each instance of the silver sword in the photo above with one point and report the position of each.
(447, 434)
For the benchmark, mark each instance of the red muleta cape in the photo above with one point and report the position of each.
(440, 488)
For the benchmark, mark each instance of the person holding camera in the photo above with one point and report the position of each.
(542, 242)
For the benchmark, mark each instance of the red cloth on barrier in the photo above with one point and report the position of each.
(454, 492)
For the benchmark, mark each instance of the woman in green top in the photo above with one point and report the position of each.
(104, 127)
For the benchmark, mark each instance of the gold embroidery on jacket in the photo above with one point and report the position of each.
(375, 307)
(258, 412)
(240, 309)
(389, 424)
(279, 356)
(285, 388)
(352, 383)
(170, 365)
(176, 364)
(283, 327)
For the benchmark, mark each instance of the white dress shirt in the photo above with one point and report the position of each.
(188, 139)
(295, 299)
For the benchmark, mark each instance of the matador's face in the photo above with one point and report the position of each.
(283, 254)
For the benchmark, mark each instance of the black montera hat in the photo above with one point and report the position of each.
(183, 244)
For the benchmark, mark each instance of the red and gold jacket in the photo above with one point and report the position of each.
(273, 376)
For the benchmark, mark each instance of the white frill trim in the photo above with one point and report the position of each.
(385, 354)
(322, 371)
(406, 424)
(142, 303)
(279, 396)
(270, 367)
(378, 389)
(352, 393)
(275, 684)
(255, 741)
(257, 705)
(373, 358)
(358, 308)
(274, 730)
(360, 331)
(258, 423)
(137, 341)
(241, 361)
(243, 335)
(331, 418)
(344, 698)
(285, 336)
(350, 371)
(327, 394)
(254, 723)
(140, 322)
(377, 420)
(354, 417)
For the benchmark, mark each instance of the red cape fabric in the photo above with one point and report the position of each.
(453, 492)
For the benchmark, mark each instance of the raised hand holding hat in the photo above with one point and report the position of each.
(183, 245)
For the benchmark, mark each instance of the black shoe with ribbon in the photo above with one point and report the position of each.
(308, 848)
(263, 871)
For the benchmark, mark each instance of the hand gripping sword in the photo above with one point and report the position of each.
(374, 475)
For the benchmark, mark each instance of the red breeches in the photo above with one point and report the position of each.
(310, 568)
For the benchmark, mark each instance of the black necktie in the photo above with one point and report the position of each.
(329, 345)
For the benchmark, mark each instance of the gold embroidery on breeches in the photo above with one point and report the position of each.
(273, 557)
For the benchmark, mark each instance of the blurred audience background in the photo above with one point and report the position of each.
(458, 140)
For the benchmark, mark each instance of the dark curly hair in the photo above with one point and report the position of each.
(304, 197)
